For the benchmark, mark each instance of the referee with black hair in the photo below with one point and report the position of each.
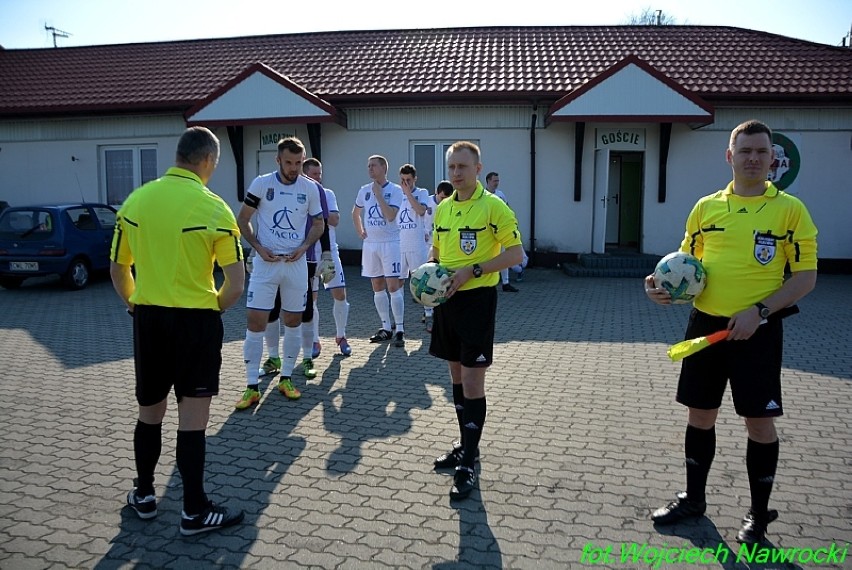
(744, 235)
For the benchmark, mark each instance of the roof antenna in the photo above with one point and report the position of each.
(57, 33)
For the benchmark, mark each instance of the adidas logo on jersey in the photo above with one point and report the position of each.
(772, 405)
(742, 211)
(481, 358)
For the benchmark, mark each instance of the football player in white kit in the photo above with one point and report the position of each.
(283, 200)
(412, 234)
(492, 181)
(443, 190)
(312, 168)
(374, 216)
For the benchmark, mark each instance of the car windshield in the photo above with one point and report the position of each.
(26, 224)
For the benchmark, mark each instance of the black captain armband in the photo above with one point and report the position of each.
(252, 201)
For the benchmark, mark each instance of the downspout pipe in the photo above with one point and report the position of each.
(665, 141)
(533, 122)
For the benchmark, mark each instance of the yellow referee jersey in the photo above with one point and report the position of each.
(472, 232)
(174, 229)
(744, 243)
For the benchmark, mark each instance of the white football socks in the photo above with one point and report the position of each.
(273, 338)
(380, 299)
(397, 299)
(291, 346)
(341, 316)
(252, 353)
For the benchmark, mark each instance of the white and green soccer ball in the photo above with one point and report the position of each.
(682, 275)
(430, 283)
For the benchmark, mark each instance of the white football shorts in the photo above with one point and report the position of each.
(380, 259)
(267, 277)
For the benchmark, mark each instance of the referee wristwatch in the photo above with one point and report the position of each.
(477, 270)
(762, 310)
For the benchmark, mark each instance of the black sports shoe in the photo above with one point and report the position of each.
(145, 507)
(508, 288)
(678, 510)
(381, 336)
(213, 517)
(754, 526)
(452, 458)
(464, 482)
(399, 339)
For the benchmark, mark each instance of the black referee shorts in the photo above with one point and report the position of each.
(753, 367)
(174, 347)
(463, 328)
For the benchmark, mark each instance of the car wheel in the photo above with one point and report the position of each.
(11, 282)
(77, 275)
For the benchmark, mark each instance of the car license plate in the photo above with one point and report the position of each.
(23, 265)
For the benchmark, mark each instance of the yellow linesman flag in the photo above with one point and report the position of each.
(686, 348)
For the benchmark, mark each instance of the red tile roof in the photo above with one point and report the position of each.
(490, 64)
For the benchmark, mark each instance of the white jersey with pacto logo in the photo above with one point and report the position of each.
(331, 201)
(412, 234)
(282, 210)
(378, 229)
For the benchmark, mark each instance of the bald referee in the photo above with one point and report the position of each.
(744, 235)
(470, 228)
(173, 230)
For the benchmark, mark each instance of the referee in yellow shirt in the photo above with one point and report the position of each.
(173, 230)
(744, 235)
(470, 228)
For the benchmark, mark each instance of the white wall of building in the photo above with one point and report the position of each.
(697, 167)
(36, 164)
(825, 186)
(561, 223)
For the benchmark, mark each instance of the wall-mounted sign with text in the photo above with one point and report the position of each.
(620, 139)
(270, 139)
(787, 163)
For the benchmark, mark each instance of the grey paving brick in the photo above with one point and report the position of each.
(583, 439)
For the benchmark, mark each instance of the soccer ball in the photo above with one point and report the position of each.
(429, 284)
(682, 275)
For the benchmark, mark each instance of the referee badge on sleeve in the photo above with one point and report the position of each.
(467, 241)
(764, 248)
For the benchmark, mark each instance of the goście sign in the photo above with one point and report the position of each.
(620, 139)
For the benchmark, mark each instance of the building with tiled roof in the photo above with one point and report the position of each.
(603, 135)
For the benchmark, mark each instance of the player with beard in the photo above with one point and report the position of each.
(284, 201)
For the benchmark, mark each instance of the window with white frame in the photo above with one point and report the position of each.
(430, 160)
(124, 168)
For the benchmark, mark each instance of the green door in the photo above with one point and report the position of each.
(631, 200)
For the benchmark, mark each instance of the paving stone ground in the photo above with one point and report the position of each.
(583, 440)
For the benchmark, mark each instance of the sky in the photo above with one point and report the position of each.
(98, 22)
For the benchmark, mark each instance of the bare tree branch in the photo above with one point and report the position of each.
(651, 17)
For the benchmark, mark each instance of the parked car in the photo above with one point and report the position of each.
(69, 240)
